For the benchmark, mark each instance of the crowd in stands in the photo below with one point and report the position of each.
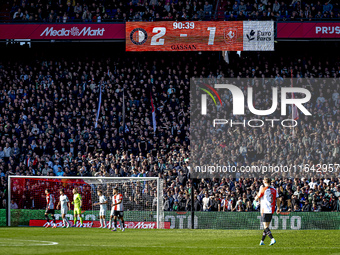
(62, 11)
(105, 11)
(48, 115)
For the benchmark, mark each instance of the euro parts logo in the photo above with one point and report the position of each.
(259, 35)
(239, 105)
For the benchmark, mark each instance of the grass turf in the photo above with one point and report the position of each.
(24, 240)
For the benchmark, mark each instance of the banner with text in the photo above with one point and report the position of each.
(97, 224)
(202, 220)
(312, 30)
(62, 31)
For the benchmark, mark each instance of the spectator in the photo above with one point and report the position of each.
(60, 172)
(2, 153)
(276, 6)
(316, 208)
(327, 7)
(216, 205)
(242, 8)
(18, 15)
(297, 208)
(78, 9)
(306, 207)
(13, 205)
(337, 192)
(175, 206)
(197, 204)
(87, 16)
(325, 206)
(312, 184)
(207, 203)
(207, 8)
(235, 8)
(167, 206)
(7, 152)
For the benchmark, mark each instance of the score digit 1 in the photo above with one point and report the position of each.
(211, 35)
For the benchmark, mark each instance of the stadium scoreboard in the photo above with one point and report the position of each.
(200, 36)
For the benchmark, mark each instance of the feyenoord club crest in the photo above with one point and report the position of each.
(230, 35)
(138, 36)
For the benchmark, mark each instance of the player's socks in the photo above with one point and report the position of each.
(66, 223)
(264, 235)
(115, 223)
(75, 221)
(101, 223)
(122, 226)
(47, 221)
(110, 224)
(53, 218)
(81, 221)
(269, 233)
(104, 223)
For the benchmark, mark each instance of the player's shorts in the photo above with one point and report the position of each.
(50, 211)
(77, 211)
(102, 212)
(119, 214)
(64, 210)
(267, 217)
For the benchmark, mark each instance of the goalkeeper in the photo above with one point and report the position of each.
(77, 203)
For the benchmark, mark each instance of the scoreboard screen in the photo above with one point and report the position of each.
(199, 36)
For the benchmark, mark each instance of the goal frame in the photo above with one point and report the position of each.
(157, 179)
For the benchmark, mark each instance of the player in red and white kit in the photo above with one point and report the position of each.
(268, 199)
(117, 210)
(49, 208)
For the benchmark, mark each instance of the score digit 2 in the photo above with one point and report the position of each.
(160, 31)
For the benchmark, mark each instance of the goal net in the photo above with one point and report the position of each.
(142, 199)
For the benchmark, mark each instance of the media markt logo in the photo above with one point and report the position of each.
(251, 35)
(74, 31)
(230, 35)
(138, 36)
(238, 105)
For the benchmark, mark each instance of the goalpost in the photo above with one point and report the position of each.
(142, 198)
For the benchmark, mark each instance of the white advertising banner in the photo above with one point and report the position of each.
(258, 35)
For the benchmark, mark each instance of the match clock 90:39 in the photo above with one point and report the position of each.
(184, 36)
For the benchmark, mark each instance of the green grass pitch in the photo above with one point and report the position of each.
(24, 240)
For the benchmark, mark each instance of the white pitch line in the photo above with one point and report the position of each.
(197, 247)
(19, 242)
